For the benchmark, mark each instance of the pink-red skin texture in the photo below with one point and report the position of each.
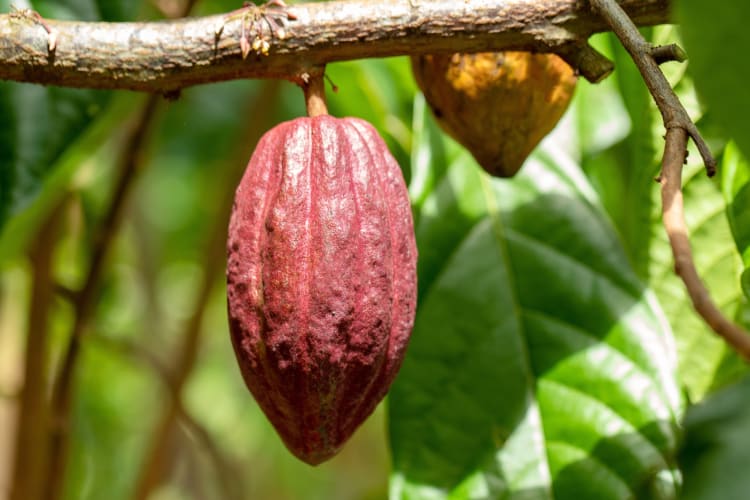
(321, 278)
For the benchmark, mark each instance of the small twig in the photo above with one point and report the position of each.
(36, 17)
(226, 470)
(679, 126)
(667, 53)
(152, 469)
(66, 293)
(334, 87)
(587, 61)
(674, 223)
(173, 9)
(62, 391)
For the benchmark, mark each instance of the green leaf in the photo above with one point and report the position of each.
(86, 10)
(84, 152)
(716, 447)
(428, 155)
(538, 361)
(599, 111)
(716, 38)
(735, 180)
(40, 123)
(623, 173)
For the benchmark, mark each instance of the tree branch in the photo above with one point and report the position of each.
(679, 126)
(166, 56)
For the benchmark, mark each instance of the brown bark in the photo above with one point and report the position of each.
(165, 56)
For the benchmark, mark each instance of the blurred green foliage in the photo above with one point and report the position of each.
(717, 60)
(715, 452)
(553, 343)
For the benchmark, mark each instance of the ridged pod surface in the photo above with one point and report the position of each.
(321, 278)
(498, 105)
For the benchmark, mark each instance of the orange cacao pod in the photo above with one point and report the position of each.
(321, 278)
(498, 105)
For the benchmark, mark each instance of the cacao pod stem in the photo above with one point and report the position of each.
(315, 94)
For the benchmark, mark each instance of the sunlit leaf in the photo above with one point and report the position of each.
(599, 110)
(428, 155)
(538, 360)
(379, 91)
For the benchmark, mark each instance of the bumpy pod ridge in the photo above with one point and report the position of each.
(321, 278)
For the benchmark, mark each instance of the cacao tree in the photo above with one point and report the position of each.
(555, 352)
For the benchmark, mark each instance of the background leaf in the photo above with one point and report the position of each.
(44, 128)
(86, 158)
(40, 123)
(716, 50)
(735, 179)
(716, 449)
(623, 171)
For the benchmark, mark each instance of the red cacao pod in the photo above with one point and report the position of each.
(498, 105)
(321, 278)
